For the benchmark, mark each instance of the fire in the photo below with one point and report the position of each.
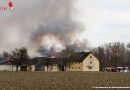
(52, 56)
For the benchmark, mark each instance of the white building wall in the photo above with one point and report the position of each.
(8, 68)
(33, 67)
(46, 68)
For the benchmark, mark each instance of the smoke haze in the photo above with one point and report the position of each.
(40, 23)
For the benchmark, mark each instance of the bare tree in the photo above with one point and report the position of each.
(112, 54)
(65, 54)
(19, 57)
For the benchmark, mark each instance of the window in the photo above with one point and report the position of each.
(75, 67)
(90, 62)
(78, 67)
(72, 67)
(55, 68)
(90, 56)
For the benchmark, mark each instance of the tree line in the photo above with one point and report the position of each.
(114, 54)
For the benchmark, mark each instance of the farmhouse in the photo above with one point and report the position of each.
(80, 61)
(83, 61)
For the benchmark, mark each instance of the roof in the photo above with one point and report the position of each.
(55, 60)
(5, 62)
(79, 56)
(75, 57)
(44, 60)
(39, 60)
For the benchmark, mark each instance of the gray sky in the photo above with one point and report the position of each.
(105, 20)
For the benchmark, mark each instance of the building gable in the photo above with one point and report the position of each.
(91, 63)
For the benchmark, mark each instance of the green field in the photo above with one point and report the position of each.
(61, 80)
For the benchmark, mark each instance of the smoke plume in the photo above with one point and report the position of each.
(40, 23)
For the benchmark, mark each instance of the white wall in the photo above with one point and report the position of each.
(8, 68)
(46, 69)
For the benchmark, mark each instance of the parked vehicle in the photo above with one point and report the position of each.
(116, 69)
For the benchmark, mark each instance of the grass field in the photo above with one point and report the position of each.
(61, 80)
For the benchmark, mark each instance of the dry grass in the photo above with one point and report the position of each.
(61, 80)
